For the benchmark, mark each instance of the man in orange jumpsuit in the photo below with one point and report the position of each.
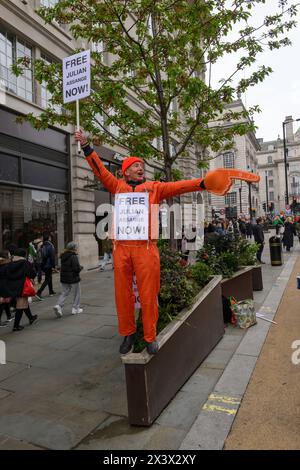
(141, 256)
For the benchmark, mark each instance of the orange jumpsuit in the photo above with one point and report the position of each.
(142, 257)
(139, 257)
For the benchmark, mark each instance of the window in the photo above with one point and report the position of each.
(97, 47)
(271, 195)
(271, 183)
(270, 172)
(26, 214)
(113, 128)
(48, 3)
(270, 159)
(228, 160)
(46, 95)
(230, 199)
(11, 49)
(295, 185)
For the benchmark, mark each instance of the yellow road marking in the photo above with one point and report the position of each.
(224, 399)
(228, 411)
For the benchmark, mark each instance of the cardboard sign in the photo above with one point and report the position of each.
(76, 76)
(131, 216)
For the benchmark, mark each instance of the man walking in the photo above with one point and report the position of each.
(259, 237)
(47, 265)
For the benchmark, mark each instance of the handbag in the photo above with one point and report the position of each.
(28, 289)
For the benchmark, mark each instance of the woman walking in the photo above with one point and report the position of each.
(70, 279)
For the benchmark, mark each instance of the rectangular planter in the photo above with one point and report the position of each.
(152, 381)
(240, 285)
(257, 279)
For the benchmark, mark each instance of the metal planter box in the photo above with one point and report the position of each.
(257, 279)
(240, 285)
(152, 381)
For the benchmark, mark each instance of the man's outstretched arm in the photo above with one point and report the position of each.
(217, 181)
(102, 174)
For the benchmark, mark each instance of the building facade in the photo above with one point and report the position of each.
(276, 174)
(243, 197)
(45, 185)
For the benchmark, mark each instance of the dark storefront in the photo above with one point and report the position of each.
(34, 183)
(102, 196)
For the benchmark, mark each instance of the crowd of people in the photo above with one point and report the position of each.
(286, 227)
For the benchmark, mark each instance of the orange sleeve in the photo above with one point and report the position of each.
(167, 190)
(106, 177)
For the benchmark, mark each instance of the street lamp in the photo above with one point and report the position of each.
(250, 198)
(240, 191)
(285, 153)
(267, 194)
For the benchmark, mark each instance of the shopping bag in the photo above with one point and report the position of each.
(28, 289)
(244, 313)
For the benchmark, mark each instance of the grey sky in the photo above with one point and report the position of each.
(279, 95)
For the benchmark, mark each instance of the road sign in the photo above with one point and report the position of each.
(76, 77)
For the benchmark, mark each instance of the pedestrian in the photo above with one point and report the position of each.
(140, 256)
(12, 279)
(38, 243)
(47, 265)
(259, 238)
(70, 279)
(5, 301)
(297, 226)
(242, 227)
(107, 252)
(288, 234)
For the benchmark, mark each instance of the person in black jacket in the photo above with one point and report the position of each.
(47, 265)
(12, 278)
(259, 237)
(69, 277)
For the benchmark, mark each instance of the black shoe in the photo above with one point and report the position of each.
(152, 348)
(51, 294)
(127, 345)
(34, 319)
(18, 328)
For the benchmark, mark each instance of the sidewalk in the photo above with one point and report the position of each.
(63, 386)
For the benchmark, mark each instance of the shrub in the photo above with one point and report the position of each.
(224, 254)
(201, 272)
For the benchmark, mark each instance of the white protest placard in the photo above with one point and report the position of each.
(131, 216)
(76, 76)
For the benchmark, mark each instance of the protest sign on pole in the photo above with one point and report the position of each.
(77, 80)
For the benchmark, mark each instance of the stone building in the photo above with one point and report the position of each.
(271, 168)
(241, 156)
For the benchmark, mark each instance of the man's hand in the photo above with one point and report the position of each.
(219, 181)
(81, 137)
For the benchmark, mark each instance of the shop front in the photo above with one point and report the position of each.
(34, 184)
